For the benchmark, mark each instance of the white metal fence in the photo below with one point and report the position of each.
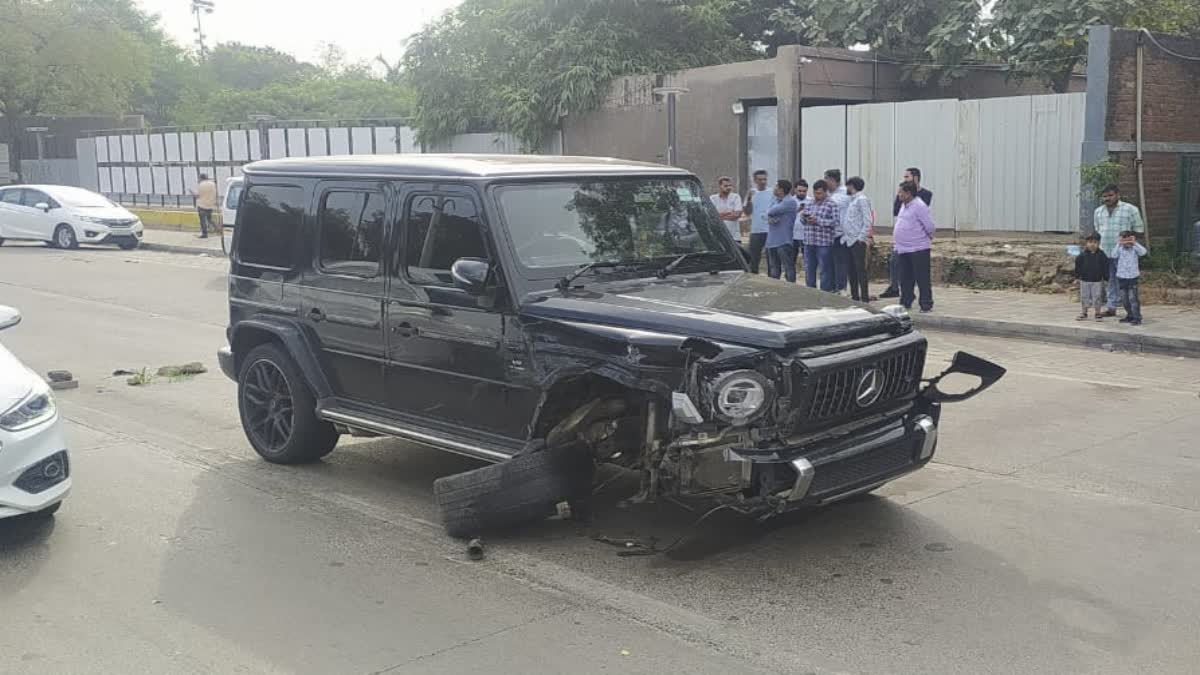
(162, 166)
(993, 164)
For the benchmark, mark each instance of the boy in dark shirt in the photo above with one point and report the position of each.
(1091, 269)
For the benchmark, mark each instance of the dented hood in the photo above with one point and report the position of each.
(732, 307)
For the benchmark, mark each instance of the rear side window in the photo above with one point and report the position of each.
(352, 232)
(269, 223)
(12, 196)
(234, 196)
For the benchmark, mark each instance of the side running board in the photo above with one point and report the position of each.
(432, 439)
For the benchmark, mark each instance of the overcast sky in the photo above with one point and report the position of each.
(364, 28)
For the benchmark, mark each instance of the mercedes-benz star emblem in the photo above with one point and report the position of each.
(870, 387)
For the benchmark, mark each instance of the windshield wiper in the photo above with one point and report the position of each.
(670, 267)
(564, 284)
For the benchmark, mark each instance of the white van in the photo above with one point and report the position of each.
(229, 206)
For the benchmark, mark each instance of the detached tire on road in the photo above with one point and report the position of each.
(524, 489)
(279, 411)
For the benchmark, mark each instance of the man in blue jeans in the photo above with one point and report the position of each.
(820, 219)
(781, 222)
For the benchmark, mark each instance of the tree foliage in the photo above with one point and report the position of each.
(519, 65)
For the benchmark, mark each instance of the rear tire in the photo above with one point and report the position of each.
(524, 489)
(279, 411)
(64, 237)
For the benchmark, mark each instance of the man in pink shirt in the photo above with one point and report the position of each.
(913, 235)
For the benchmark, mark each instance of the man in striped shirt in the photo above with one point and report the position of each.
(1113, 217)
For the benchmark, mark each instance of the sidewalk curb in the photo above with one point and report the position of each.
(1081, 336)
(176, 248)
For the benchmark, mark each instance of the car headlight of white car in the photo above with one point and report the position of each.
(740, 396)
(35, 409)
(92, 219)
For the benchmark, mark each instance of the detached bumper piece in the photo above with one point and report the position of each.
(227, 362)
(45, 474)
(864, 465)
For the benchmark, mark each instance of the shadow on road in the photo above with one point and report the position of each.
(24, 548)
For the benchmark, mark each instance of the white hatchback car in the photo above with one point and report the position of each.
(34, 467)
(65, 217)
(229, 207)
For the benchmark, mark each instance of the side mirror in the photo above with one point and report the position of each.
(9, 317)
(471, 274)
(42, 206)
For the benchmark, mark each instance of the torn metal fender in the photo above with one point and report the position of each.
(968, 364)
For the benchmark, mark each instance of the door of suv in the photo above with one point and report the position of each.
(344, 287)
(446, 355)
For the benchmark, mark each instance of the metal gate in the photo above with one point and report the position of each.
(1189, 203)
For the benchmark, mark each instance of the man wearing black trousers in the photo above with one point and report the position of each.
(758, 202)
(913, 240)
(911, 175)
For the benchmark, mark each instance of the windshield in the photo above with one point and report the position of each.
(564, 225)
(235, 195)
(80, 198)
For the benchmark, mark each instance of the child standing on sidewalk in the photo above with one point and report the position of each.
(1091, 269)
(1127, 276)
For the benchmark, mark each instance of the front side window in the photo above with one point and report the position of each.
(35, 197)
(269, 222)
(632, 220)
(440, 229)
(352, 232)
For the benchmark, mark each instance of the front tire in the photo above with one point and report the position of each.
(279, 411)
(64, 237)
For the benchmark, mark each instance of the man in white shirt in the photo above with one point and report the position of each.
(758, 202)
(729, 206)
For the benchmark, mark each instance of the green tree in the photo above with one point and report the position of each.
(64, 56)
(519, 65)
(239, 66)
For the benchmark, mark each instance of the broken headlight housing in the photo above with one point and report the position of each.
(36, 408)
(740, 396)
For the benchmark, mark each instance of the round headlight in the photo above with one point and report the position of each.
(740, 396)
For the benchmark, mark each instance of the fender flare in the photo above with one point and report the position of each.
(296, 339)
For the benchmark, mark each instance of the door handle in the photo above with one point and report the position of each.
(404, 329)
(316, 314)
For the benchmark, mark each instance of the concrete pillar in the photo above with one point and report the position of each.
(1095, 115)
(787, 96)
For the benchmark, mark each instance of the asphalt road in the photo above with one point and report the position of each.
(1057, 532)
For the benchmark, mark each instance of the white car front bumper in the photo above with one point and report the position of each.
(34, 468)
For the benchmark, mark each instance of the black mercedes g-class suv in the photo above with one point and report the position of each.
(544, 314)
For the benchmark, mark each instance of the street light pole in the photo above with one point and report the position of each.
(201, 7)
(670, 93)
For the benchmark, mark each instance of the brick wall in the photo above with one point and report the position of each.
(1170, 114)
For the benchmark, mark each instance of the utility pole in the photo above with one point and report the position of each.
(670, 93)
(200, 7)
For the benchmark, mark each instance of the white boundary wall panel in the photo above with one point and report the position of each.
(926, 137)
(204, 147)
(1057, 143)
(160, 180)
(131, 180)
(158, 152)
(277, 142)
(317, 144)
(172, 142)
(175, 180)
(339, 141)
(222, 173)
(870, 154)
(104, 179)
(385, 140)
(966, 182)
(128, 149)
(220, 146)
(118, 180)
(239, 148)
(145, 180)
(822, 142)
(255, 146)
(85, 152)
(360, 139)
(296, 141)
(114, 148)
(408, 140)
(187, 145)
(101, 148)
(141, 145)
(1005, 164)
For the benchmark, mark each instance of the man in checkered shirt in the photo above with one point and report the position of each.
(820, 218)
(1112, 218)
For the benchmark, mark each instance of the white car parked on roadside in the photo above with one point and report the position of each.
(34, 468)
(65, 217)
(229, 207)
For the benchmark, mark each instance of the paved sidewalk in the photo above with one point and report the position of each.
(1168, 329)
(181, 242)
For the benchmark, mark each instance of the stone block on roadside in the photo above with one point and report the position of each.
(60, 376)
(60, 385)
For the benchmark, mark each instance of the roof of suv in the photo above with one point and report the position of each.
(473, 166)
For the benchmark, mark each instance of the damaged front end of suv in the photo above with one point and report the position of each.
(760, 430)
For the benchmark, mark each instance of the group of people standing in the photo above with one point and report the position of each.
(830, 227)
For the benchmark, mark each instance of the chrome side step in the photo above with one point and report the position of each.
(424, 438)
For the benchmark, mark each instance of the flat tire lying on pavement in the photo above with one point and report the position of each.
(523, 489)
